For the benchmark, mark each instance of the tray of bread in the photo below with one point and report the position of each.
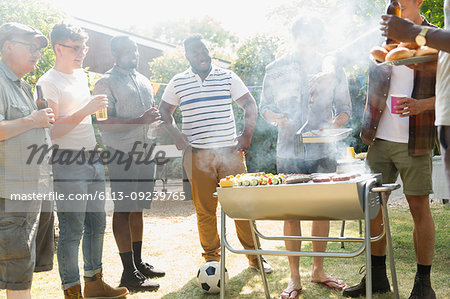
(403, 54)
(411, 60)
(326, 135)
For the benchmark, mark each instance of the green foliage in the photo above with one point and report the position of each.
(358, 94)
(38, 14)
(176, 31)
(253, 56)
(165, 67)
(433, 10)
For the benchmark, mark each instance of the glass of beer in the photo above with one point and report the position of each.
(102, 114)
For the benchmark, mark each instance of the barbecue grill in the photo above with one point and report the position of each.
(356, 199)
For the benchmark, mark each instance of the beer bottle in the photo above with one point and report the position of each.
(394, 8)
(41, 102)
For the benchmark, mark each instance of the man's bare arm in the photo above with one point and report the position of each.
(248, 103)
(167, 111)
(406, 31)
(64, 125)
(118, 124)
(340, 120)
(37, 119)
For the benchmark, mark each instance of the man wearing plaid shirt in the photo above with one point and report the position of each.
(401, 140)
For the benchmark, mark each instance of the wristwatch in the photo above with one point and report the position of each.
(420, 38)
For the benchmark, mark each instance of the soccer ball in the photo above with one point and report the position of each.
(208, 277)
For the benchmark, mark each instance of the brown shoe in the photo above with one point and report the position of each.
(73, 292)
(96, 288)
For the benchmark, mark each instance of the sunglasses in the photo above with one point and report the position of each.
(31, 47)
(76, 49)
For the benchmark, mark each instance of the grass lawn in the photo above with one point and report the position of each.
(171, 243)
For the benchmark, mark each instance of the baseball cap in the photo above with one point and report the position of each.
(9, 31)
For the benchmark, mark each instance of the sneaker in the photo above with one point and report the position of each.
(422, 288)
(137, 282)
(380, 283)
(73, 292)
(266, 266)
(95, 287)
(149, 271)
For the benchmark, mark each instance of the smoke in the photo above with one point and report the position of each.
(351, 29)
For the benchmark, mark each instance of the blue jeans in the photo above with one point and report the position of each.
(79, 219)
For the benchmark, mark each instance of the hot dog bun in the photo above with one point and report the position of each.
(411, 46)
(379, 53)
(424, 50)
(390, 47)
(399, 53)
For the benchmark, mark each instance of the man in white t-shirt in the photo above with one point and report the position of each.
(205, 94)
(403, 30)
(401, 140)
(78, 172)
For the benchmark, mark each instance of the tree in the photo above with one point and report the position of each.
(253, 56)
(164, 68)
(433, 10)
(176, 31)
(38, 14)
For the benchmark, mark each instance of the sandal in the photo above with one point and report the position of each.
(333, 284)
(285, 293)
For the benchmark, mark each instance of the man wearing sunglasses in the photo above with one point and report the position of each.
(21, 126)
(78, 172)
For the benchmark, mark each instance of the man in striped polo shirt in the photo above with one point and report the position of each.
(205, 94)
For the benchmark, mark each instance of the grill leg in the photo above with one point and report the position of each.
(389, 244)
(342, 233)
(222, 251)
(368, 250)
(261, 268)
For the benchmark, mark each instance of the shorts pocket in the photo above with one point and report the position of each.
(13, 238)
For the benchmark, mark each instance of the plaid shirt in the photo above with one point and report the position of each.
(421, 126)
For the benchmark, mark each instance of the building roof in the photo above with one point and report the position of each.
(141, 40)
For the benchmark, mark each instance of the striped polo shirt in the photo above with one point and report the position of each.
(206, 107)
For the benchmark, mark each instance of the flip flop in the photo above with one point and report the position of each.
(289, 294)
(340, 285)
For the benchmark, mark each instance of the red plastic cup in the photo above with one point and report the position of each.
(395, 98)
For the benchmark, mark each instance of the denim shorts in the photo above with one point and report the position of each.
(17, 248)
(132, 187)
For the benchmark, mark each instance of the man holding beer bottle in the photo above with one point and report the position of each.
(21, 126)
(130, 112)
(401, 140)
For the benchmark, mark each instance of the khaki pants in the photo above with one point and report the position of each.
(204, 169)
